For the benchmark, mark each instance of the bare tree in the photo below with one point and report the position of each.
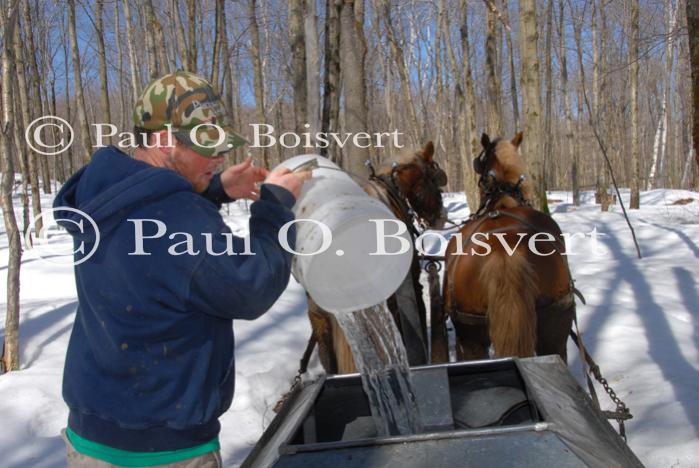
(494, 102)
(531, 100)
(399, 59)
(77, 79)
(573, 154)
(693, 33)
(101, 54)
(633, 84)
(192, 35)
(25, 116)
(312, 67)
(257, 73)
(218, 43)
(331, 82)
(549, 163)
(298, 62)
(511, 60)
(10, 351)
(36, 89)
(352, 55)
(130, 42)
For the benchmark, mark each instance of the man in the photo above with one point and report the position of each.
(150, 364)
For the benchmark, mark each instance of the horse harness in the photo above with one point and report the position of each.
(391, 195)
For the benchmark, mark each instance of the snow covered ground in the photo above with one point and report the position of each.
(641, 323)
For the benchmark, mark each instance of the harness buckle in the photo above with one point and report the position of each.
(494, 214)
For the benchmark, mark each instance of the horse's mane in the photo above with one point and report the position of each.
(403, 156)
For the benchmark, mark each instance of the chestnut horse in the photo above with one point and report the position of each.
(506, 282)
(410, 187)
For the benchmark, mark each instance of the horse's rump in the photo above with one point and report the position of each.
(496, 275)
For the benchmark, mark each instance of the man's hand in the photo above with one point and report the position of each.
(292, 181)
(240, 181)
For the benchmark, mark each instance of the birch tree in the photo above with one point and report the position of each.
(9, 361)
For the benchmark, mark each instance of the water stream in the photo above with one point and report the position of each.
(381, 359)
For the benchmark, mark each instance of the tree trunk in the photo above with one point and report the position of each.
(331, 83)
(693, 35)
(511, 59)
(531, 101)
(37, 108)
(130, 41)
(312, 67)
(148, 16)
(633, 84)
(298, 63)
(104, 88)
(469, 176)
(573, 154)
(9, 361)
(218, 42)
(257, 71)
(24, 117)
(123, 113)
(494, 107)
(549, 164)
(66, 87)
(80, 100)
(352, 55)
(192, 35)
(604, 108)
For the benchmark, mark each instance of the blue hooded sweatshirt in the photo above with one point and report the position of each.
(150, 363)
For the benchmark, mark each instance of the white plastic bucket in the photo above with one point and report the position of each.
(345, 277)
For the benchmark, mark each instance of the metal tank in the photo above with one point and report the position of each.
(496, 413)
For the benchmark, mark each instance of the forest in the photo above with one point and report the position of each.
(602, 89)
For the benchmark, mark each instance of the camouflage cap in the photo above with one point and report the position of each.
(183, 101)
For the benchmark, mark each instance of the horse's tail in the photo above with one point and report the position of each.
(510, 283)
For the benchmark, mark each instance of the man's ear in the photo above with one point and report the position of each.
(167, 141)
(517, 140)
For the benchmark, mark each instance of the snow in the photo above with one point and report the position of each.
(641, 324)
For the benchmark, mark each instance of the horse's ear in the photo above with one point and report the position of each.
(517, 140)
(485, 140)
(428, 151)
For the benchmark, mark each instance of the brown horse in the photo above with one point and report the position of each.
(410, 187)
(498, 289)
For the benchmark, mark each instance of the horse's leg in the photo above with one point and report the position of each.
(472, 341)
(553, 328)
(408, 309)
(322, 331)
(511, 288)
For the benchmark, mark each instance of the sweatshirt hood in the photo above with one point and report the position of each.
(108, 188)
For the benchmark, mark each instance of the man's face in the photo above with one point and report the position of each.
(194, 167)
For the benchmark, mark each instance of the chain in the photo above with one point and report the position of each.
(622, 413)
